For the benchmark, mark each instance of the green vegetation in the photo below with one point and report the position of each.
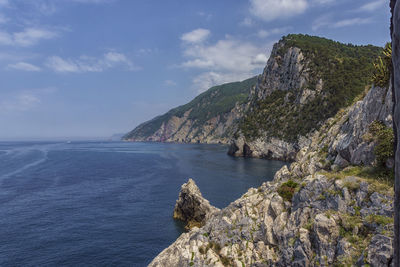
(384, 138)
(379, 219)
(345, 71)
(379, 179)
(383, 67)
(352, 229)
(287, 190)
(215, 101)
(226, 261)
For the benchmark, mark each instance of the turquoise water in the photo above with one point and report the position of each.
(110, 203)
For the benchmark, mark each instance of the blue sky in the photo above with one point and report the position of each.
(91, 68)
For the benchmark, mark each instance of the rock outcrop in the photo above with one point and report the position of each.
(325, 222)
(345, 139)
(191, 207)
(274, 148)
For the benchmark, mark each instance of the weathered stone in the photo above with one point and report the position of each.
(341, 162)
(326, 232)
(380, 251)
(282, 175)
(191, 207)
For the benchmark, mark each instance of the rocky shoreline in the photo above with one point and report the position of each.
(324, 209)
(326, 221)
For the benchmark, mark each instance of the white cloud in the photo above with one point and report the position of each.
(322, 21)
(90, 64)
(267, 33)
(93, 1)
(206, 80)
(323, 2)
(196, 36)
(21, 102)
(351, 22)
(228, 55)
(226, 60)
(169, 83)
(60, 65)
(248, 22)
(24, 66)
(371, 6)
(207, 16)
(44, 7)
(5, 38)
(269, 10)
(27, 37)
(31, 36)
(327, 21)
(3, 3)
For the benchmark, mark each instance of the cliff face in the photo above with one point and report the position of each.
(317, 212)
(395, 31)
(210, 118)
(306, 81)
(346, 139)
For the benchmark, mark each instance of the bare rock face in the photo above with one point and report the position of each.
(191, 207)
(282, 72)
(377, 105)
(273, 148)
(341, 140)
(395, 5)
(287, 72)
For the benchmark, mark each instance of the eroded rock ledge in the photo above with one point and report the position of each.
(191, 207)
(329, 220)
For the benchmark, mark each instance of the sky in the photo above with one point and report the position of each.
(92, 68)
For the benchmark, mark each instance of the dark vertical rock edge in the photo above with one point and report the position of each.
(395, 33)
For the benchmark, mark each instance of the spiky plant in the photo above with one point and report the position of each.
(383, 66)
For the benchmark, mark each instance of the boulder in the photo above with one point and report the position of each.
(191, 207)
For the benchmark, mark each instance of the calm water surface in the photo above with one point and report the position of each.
(110, 203)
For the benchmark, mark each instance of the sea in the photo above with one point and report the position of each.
(108, 203)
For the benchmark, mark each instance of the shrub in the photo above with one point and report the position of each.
(384, 138)
(383, 66)
(286, 190)
(379, 219)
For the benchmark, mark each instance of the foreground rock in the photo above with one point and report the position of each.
(191, 207)
(326, 222)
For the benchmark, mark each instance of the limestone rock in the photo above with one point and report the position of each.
(380, 251)
(191, 207)
(395, 5)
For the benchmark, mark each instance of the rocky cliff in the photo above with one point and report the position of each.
(306, 81)
(395, 34)
(210, 118)
(326, 209)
